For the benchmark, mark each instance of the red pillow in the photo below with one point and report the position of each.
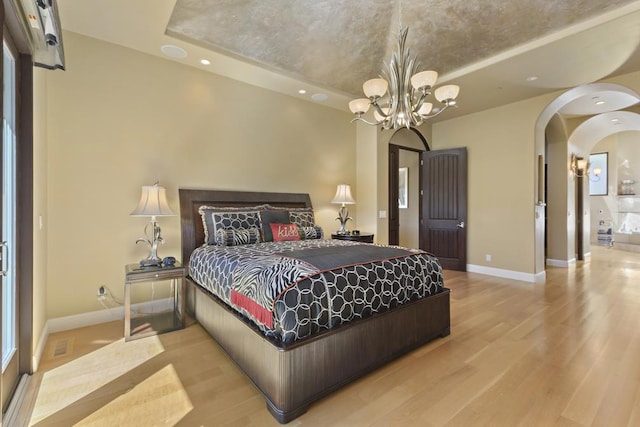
(284, 232)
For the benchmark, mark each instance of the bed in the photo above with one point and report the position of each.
(292, 371)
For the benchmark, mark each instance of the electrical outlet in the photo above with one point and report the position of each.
(102, 292)
(487, 257)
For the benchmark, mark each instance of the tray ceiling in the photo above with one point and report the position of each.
(339, 44)
(498, 51)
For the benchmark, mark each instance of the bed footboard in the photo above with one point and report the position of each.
(293, 376)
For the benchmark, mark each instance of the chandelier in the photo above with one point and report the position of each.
(407, 90)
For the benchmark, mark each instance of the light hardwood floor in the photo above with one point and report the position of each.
(563, 353)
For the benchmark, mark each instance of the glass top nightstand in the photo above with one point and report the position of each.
(362, 237)
(164, 311)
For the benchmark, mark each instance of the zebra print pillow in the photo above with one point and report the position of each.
(310, 233)
(223, 218)
(231, 237)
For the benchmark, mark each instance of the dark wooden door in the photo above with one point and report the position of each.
(579, 218)
(443, 223)
(394, 217)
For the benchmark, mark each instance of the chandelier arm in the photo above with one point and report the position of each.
(360, 119)
(379, 110)
(423, 96)
(418, 119)
(439, 112)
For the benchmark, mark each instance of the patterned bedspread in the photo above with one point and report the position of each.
(294, 289)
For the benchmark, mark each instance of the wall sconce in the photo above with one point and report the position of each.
(580, 166)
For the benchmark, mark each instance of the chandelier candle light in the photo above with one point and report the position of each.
(343, 196)
(407, 90)
(153, 203)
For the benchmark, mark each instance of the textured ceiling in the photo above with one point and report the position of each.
(338, 44)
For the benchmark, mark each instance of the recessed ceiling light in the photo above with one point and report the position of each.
(173, 51)
(302, 91)
(205, 62)
(532, 78)
(599, 102)
(319, 97)
(616, 121)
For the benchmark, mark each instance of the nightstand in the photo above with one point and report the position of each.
(362, 237)
(165, 311)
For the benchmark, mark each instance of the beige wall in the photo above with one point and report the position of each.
(501, 181)
(366, 219)
(560, 195)
(118, 119)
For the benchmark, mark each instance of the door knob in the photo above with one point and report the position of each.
(460, 224)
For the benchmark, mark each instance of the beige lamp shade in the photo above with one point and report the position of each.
(378, 116)
(447, 92)
(343, 195)
(582, 164)
(424, 79)
(425, 109)
(153, 202)
(375, 88)
(359, 106)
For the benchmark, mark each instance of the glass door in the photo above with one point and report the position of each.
(8, 237)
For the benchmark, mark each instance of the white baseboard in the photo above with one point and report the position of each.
(507, 274)
(81, 320)
(561, 263)
(65, 323)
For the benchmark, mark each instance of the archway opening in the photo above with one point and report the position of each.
(572, 125)
(405, 181)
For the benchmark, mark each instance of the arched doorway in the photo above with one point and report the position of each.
(555, 144)
(405, 147)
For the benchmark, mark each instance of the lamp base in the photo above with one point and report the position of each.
(343, 217)
(153, 260)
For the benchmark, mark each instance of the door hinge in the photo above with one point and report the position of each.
(422, 192)
(421, 162)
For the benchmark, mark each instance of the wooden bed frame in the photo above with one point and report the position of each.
(294, 375)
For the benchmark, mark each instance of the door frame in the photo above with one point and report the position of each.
(14, 30)
(394, 163)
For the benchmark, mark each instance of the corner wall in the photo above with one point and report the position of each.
(501, 184)
(119, 119)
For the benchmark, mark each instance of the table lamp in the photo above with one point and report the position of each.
(343, 196)
(153, 203)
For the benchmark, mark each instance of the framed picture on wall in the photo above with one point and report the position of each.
(598, 174)
(403, 188)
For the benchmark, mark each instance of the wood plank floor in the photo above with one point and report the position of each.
(563, 353)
